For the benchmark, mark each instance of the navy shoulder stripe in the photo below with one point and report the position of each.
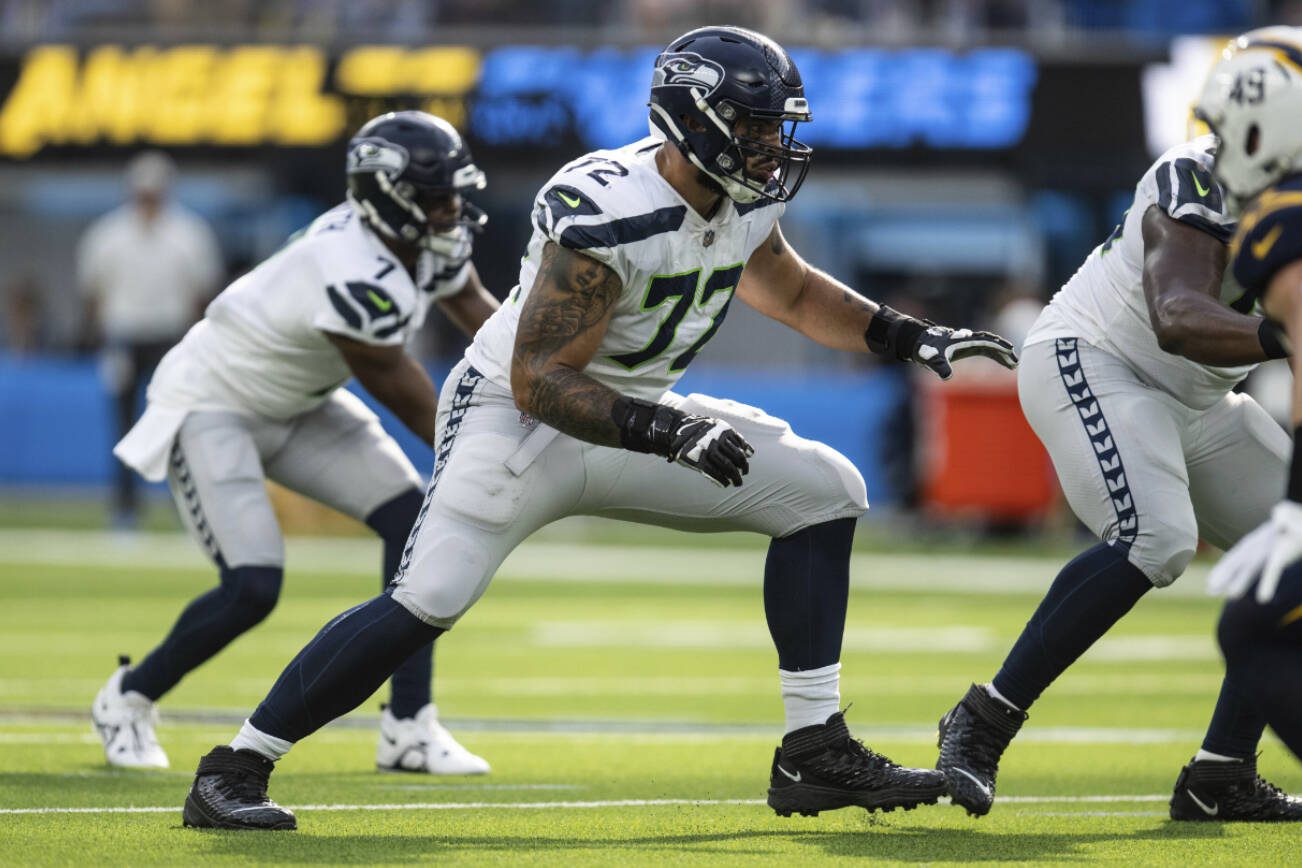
(565, 201)
(624, 231)
(1187, 192)
(344, 308)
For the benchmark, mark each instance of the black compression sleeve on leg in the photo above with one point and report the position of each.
(341, 667)
(208, 624)
(806, 589)
(410, 689)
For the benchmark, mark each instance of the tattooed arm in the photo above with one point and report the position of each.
(781, 285)
(564, 318)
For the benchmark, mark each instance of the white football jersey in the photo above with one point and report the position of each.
(262, 344)
(678, 270)
(1103, 303)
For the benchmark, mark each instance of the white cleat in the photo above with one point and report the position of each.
(125, 722)
(422, 744)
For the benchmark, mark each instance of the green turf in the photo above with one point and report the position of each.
(684, 668)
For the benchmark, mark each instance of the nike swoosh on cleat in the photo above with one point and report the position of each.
(1209, 811)
(796, 777)
(246, 810)
(989, 793)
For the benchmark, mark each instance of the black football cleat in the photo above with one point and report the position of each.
(230, 792)
(823, 767)
(1228, 792)
(973, 736)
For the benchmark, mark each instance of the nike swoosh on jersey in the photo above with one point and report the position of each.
(1198, 185)
(1262, 246)
(382, 303)
(1211, 811)
(569, 200)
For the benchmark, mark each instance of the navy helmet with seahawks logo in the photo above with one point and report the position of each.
(718, 78)
(401, 165)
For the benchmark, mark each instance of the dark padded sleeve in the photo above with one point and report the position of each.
(1187, 192)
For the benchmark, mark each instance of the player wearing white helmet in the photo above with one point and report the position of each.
(1127, 379)
(252, 392)
(1253, 102)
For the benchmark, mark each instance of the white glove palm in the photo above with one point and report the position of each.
(1261, 556)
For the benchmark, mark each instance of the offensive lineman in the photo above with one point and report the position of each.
(635, 257)
(1126, 378)
(253, 392)
(1253, 101)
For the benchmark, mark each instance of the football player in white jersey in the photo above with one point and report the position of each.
(252, 392)
(1253, 101)
(1126, 378)
(563, 406)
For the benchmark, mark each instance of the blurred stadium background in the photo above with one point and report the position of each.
(969, 153)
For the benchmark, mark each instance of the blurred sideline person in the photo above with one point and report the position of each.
(1127, 379)
(1253, 101)
(146, 269)
(254, 392)
(563, 406)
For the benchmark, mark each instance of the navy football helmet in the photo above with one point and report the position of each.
(402, 166)
(714, 92)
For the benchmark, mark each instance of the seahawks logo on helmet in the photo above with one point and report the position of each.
(686, 69)
(374, 155)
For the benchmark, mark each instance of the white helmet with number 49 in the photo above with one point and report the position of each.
(1252, 101)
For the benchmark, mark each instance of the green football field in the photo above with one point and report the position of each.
(623, 686)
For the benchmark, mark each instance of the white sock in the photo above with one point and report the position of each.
(990, 688)
(1215, 757)
(254, 739)
(812, 696)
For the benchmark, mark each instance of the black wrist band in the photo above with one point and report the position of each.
(1273, 339)
(645, 426)
(1294, 492)
(891, 333)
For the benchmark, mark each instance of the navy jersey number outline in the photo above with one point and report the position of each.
(683, 288)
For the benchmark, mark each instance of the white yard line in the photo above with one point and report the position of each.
(574, 562)
(535, 806)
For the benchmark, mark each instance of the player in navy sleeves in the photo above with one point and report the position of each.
(1253, 102)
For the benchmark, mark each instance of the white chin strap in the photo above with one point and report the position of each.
(453, 244)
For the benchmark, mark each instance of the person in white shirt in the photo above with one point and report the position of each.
(253, 392)
(145, 270)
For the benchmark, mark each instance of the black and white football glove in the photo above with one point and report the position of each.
(709, 446)
(935, 347)
(1261, 557)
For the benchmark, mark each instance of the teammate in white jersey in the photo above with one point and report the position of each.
(1126, 378)
(252, 392)
(635, 257)
(1253, 100)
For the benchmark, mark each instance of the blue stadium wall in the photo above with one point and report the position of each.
(57, 417)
